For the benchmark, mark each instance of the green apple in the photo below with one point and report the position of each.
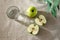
(41, 20)
(31, 11)
(33, 29)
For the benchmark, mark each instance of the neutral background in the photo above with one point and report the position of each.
(12, 30)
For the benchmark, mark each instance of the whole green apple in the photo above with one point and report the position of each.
(31, 11)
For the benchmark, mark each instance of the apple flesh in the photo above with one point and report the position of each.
(41, 20)
(31, 11)
(33, 29)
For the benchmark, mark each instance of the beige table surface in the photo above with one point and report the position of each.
(12, 30)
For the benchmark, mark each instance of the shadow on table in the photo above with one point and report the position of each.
(45, 34)
(51, 21)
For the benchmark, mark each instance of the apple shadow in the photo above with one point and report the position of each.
(51, 25)
(43, 35)
(51, 20)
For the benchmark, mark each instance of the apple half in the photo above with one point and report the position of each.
(33, 29)
(41, 20)
(31, 11)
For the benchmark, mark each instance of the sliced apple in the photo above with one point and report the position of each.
(41, 20)
(33, 29)
(37, 21)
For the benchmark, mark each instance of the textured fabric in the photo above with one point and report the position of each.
(13, 30)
